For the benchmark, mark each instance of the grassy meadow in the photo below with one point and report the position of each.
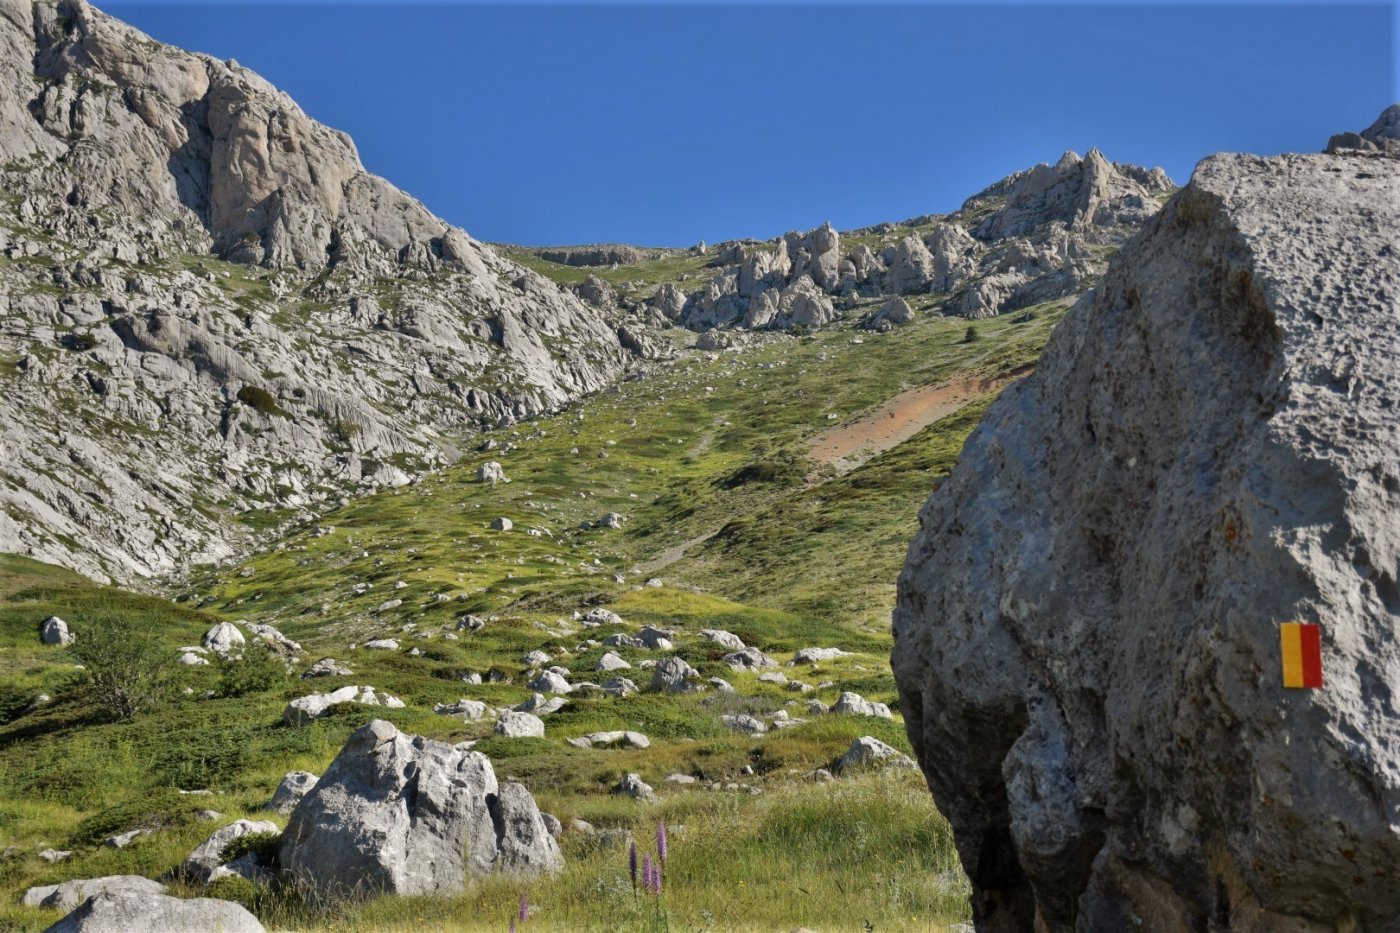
(726, 523)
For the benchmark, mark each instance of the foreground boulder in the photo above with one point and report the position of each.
(204, 863)
(151, 912)
(402, 814)
(1087, 633)
(70, 894)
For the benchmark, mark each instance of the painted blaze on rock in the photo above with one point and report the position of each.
(1087, 633)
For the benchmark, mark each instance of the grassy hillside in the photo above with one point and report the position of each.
(706, 461)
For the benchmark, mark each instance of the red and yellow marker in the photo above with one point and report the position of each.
(1302, 654)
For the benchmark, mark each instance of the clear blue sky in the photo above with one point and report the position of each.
(669, 124)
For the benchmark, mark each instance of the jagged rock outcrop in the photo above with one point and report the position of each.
(402, 814)
(1036, 236)
(227, 309)
(1382, 136)
(1087, 640)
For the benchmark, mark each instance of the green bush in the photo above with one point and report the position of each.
(971, 336)
(263, 846)
(260, 400)
(151, 810)
(258, 672)
(128, 671)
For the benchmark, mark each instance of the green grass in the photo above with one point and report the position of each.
(787, 555)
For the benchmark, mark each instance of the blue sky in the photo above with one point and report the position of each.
(668, 124)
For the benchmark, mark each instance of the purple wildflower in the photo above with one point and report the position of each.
(512, 925)
(661, 839)
(646, 871)
(656, 879)
(632, 863)
(524, 907)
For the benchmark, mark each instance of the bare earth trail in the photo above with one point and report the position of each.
(849, 445)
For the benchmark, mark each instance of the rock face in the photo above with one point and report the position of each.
(228, 308)
(1087, 641)
(1382, 136)
(402, 814)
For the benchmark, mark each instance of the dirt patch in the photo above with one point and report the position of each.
(848, 445)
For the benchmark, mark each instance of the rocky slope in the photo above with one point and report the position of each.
(211, 307)
(1087, 632)
(1038, 235)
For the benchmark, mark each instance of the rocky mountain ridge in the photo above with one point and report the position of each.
(212, 308)
(1040, 234)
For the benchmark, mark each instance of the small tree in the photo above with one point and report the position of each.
(971, 335)
(128, 671)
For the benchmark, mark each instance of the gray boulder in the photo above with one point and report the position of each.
(304, 709)
(293, 786)
(749, 659)
(893, 313)
(854, 704)
(402, 814)
(612, 662)
(225, 640)
(633, 786)
(202, 864)
(723, 639)
(491, 472)
(54, 631)
(514, 724)
(1087, 630)
(70, 894)
(154, 912)
(674, 675)
(868, 751)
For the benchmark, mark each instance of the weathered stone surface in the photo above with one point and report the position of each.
(1087, 627)
(854, 704)
(70, 894)
(54, 631)
(403, 814)
(723, 639)
(868, 751)
(224, 639)
(304, 709)
(153, 912)
(201, 864)
(514, 724)
(293, 786)
(674, 675)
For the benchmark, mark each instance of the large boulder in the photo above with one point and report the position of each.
(152, 912)
(224, 639)
(293, 786)
(402, 814)
(1087, 632)
(70, 894)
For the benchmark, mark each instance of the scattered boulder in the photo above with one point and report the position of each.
(464, 709)
(327, 667)
(743, 722)
(674, 675)
(867, 750)
(154, 912)
(619, 686)
(502, 524)
(633, 786)
(403, 814)
(536, 658)
(603, 617)
(304, 709)
(605, 739)
(856, 705)
(817, 655)
(225, 640)
(383, 644)
(1087, 629)
(749, 659)
(612, 662)
(70, 894)
(201, 864)
(492, 473)
(892, 314)
(515, 725)
(550, 682)
(723, 639)
(656, 639)
(54, 631)
(540, 706)
(293, 786)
